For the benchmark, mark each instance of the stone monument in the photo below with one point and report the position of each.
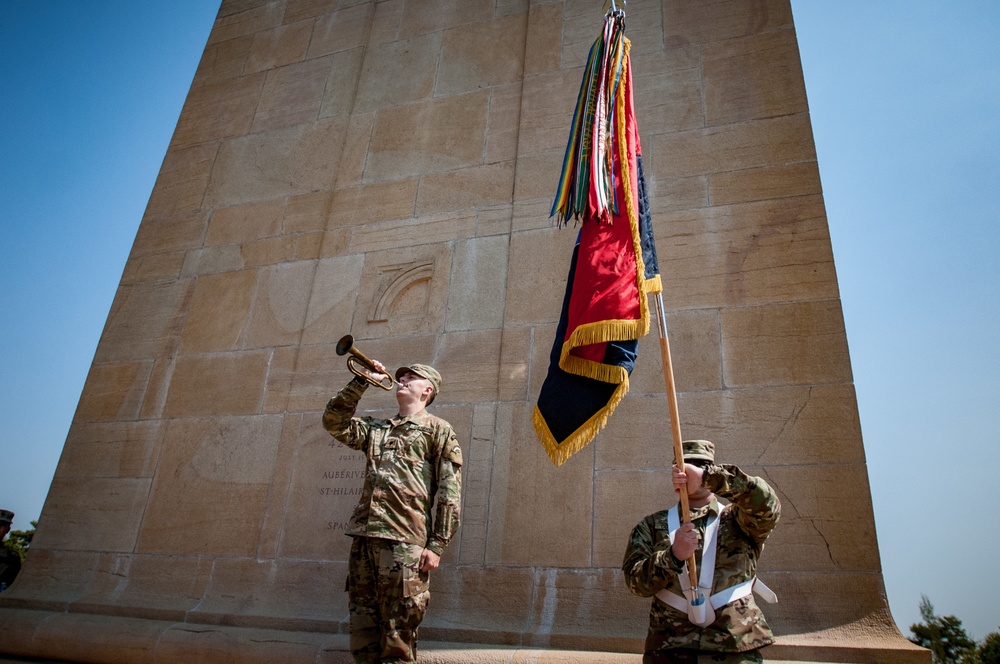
(386, 168)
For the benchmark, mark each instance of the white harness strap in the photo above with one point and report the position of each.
(707, 551)
(722, 597)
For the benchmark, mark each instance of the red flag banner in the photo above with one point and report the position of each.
(605, 309)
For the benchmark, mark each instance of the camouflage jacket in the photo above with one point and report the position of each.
(413, 463)
(649, 566)
(10, 564)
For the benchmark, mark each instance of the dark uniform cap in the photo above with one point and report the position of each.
(6, 516)
(699, 449)
(424, 371)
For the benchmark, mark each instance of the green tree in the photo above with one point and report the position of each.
(20, 540)
(989, 651)
(944, 636)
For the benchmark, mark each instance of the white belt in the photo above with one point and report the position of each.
(719, 599)
(723, 597)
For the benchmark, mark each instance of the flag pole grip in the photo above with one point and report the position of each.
(675, 422)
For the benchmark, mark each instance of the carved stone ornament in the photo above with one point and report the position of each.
(395, 281)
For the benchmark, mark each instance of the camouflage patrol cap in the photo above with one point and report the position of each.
(699, 449)
(424, 371)
(6, 516)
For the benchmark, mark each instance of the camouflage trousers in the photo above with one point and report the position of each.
(387, 596)
(688, 656)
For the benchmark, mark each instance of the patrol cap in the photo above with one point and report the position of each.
(6, 516)
(699, 449)
(424, 371)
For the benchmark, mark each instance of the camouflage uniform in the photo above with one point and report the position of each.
(414, 466)
(650, 566)
(10, 560)
(10, 565)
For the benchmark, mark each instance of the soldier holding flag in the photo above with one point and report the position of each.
(727, 542)
(10, 560)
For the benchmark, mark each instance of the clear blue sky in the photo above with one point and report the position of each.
(905, 103)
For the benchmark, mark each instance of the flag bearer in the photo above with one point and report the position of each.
(10, 560)
(727, 542)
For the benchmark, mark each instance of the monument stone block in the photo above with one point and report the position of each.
(427, 16)
(213, 260)
(219, 109)
(515, 362)
(557, 531)
(281, 298)
(334, 290)
(544, 124)
(119, 449)
(287, 161)
(765, 183)
(340, 30)
(502, 138)
(398, 73)
(217, 384)
(381, 201)
(529, 298)
(157, 587)
(460, 354)
(113, 516)
(245, 223)
(157, 267)
(475, 56)
(705, 23)
(794, 425)
(753, 77)
(279, 46)
(307, 212)
(385, 22)
(274, 250)
(114, 392)
(292, 94)
(785, 344)
(170, 235)
(239, 19)
(695, 337)
(223, 60)
(355, 153)
(468, 187)
(475, 303)
(219, 310)
(429, 136)
(183, 178)
(342, 82)
(119, 641)
(669, 85)
(541, 52)
(529, 189)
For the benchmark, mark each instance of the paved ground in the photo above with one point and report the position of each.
(431, 656)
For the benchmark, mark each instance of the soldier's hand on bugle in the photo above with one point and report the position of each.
(380, 367)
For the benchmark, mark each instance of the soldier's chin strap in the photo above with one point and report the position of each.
(703, 614)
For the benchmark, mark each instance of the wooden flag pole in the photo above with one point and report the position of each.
(675, 425)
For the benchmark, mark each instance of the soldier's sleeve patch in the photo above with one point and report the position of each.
(453, 452)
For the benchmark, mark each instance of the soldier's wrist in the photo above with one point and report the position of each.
(667, 560)
(710, 477)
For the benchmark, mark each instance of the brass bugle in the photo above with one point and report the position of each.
(366, 368)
